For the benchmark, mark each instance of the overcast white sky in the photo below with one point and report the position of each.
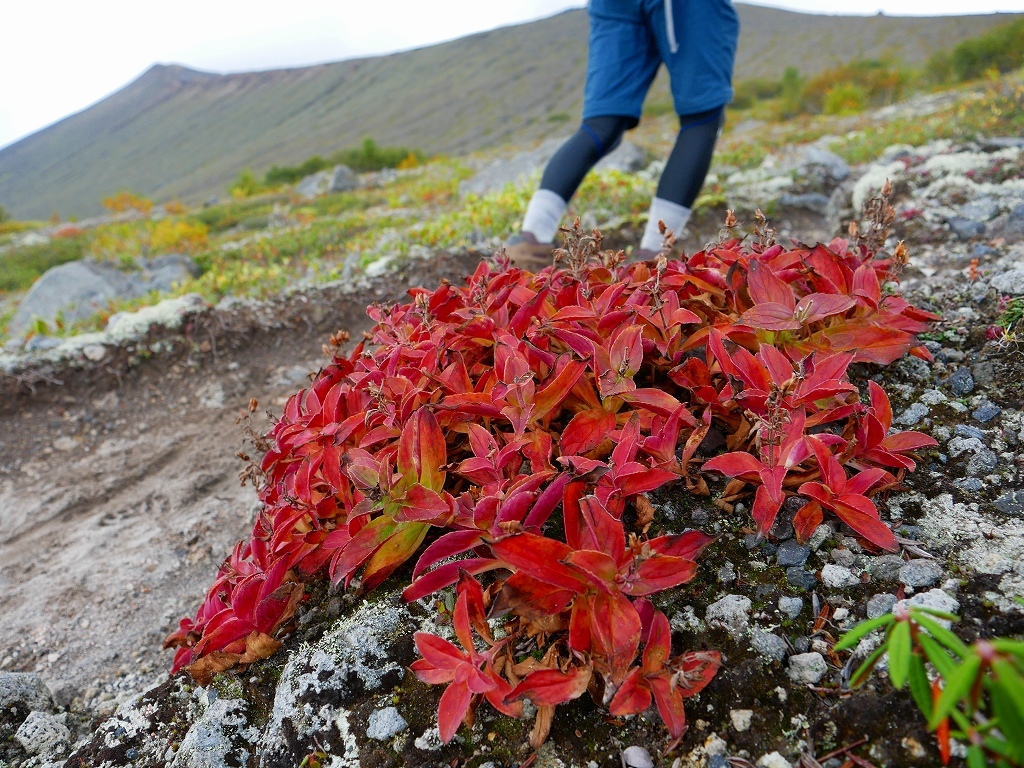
(60, 56)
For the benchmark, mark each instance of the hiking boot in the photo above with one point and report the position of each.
(525, 252)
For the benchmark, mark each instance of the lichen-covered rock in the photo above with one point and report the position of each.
(731, 612)
(25, 691)
(879, 605)
(838, 577)
(807, 668)
(42, 732)
(362, 653)
(920, 573)
(220, 738)
(768, 645)
(385, 724)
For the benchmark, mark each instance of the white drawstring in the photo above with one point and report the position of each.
(673, 44)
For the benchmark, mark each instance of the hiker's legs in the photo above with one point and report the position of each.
(596, 137)
(683, 175)
(697, 41)
(622, 58)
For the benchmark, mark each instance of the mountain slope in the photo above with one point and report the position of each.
(175, 132)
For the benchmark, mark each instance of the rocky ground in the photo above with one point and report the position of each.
(119, 496)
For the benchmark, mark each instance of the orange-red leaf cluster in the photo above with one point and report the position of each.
(471, 415)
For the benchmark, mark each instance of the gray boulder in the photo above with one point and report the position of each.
(1011, 281)
(343, 179)
(78, 289)
(340, 178)
(627, 158)
(25, 691)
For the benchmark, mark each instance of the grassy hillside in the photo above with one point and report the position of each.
(176, 132)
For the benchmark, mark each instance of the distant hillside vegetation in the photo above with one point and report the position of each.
(175, 132)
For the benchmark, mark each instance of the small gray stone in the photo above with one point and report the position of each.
(821, 534)
(964, 228)
(838, 577)
(986, 412)
(800, 578)
(969, 484)
(42, 732)
(843, 557)
(741, 719)
(727, 573)
(385, 723)
(937, 599)
(913, 414)
(879, 605)
(980, 209)
(1011, 502)
(961, 445)
(982, 463)
(967, 431)
(961, 382)
(791, 606)
(768, 645)
(637, 757)
(731, 612)
(718, 761)
(791, 553)
(920, 573)
(807, 668)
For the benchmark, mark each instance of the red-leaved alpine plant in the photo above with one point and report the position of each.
(501, 430)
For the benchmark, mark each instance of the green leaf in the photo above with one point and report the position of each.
(976, 757)
(864, 670)
(900, 652)
(1013, 647)
(854, 636)
(920, 688)
(1007, 693)
(937, 655)
(958, 686)
(944, 636)
(933, 612)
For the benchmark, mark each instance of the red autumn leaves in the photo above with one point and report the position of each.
(473, 415)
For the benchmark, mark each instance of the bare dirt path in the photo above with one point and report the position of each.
(119, 489)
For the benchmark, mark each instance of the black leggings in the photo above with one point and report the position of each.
(684, 172)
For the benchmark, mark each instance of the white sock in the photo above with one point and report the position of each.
(675, 217)
(543, 215)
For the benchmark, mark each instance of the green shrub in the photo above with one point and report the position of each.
(245, 185)
(845, 99)
(19, 267)
(1001, 49)
(855, 86)
(748, 92)
(4, 215)
(285, 174)
(370, 156)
